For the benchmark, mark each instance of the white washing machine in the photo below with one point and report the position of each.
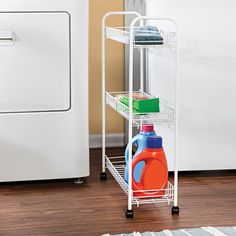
(43, 89)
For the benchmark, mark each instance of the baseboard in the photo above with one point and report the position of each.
(112, 140)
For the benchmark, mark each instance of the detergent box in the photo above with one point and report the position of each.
(141, 103)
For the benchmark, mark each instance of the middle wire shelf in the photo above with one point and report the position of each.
(116, 166)
(166, 116)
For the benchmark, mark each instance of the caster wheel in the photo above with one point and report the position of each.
(103, 176)
(78, 181)
(129, 214)
(175, 210)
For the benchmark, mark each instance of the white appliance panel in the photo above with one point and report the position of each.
(52, 144)
(207, 88)
(35, 68)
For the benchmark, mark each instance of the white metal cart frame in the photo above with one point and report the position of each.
(167, 114)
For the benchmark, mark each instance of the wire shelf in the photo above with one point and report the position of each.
(122, 35)
(164, 117)
(116, 166)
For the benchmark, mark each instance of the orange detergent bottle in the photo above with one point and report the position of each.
(154, 175)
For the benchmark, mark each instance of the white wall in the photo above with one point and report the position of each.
(208, 81)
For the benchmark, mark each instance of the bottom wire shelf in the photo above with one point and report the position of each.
(116, 166)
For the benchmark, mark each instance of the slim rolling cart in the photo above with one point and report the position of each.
(168, 114)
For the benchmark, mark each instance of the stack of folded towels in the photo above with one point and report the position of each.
(147, 35)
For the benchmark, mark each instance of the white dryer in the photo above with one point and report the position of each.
(43, 89)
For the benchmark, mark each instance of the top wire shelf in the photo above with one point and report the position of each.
(122, 35)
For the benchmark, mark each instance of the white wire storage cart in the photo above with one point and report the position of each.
(168, 114)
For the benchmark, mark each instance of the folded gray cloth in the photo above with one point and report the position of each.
(147, 35)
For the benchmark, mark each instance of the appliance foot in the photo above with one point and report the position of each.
(78, 181)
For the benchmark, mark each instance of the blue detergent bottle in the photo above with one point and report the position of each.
(140, 140)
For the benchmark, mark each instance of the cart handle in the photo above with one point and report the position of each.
(119, 13)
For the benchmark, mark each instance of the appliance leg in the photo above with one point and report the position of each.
(79, 181)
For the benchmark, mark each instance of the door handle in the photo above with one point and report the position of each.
(7, 37)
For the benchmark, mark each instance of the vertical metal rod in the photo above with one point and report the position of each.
(131, 60)
(176, 153)
(141, 65)
(103, 94)
(104, 79)
(141, 70)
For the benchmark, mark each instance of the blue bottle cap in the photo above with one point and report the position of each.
(154, 142)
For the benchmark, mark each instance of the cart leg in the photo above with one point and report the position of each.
(175, 208)
(103, 175)
(129, 212)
